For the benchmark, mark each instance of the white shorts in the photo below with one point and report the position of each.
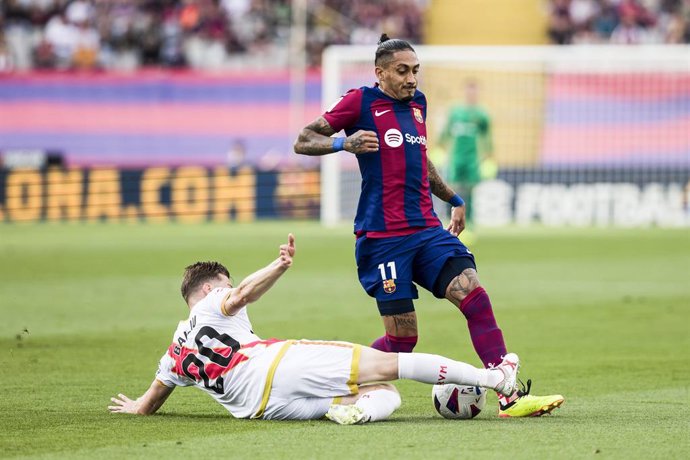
(309, 376)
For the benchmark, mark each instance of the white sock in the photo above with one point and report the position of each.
(434, 369)
(378, 404)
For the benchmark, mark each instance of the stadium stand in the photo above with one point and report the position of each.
(210, 34)
(619, 21)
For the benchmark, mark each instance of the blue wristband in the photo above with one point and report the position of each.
(338, 144)
(456, 201)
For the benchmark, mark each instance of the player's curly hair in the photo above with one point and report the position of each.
(197, 274)
(389, 46)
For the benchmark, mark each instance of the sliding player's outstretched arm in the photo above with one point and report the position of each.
(256, 284)
(146, 404)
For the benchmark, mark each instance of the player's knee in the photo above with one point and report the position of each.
(385, 393)
(452, 270)
(393, 396)
(390, 387)
(462, 285)
(456, 270)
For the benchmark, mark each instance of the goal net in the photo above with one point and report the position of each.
(581, 136)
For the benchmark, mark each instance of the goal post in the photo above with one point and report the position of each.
(582, 135)
(336, 61)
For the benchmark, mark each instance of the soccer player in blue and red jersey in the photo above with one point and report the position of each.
(400, 240)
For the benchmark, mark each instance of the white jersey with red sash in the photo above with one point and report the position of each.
(222, 356)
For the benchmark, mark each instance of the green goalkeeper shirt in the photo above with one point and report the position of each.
(468, 132)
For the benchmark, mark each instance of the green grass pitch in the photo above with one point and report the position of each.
(601, 316)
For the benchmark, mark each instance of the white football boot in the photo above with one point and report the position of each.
(510, 367)
(346, 414)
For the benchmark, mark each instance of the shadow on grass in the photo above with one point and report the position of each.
(222, 417)
(433, 420)
(188, 416)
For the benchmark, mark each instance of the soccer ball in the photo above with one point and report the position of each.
(458, 401)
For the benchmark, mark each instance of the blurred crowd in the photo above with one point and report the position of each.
(619, 21)
(221, 34)
(128, 34)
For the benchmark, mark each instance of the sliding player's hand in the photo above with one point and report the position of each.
(362, 142)
(123, 405)
(287, 251)
(457, 220)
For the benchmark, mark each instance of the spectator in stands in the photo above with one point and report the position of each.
(132, 32)
(59, 42)
(633, 22)
(6, 58)
(5, 53)
(70, 39)
(125, 34)
(674, 20)
(619, 21)
(582, 14)
(86, 40)
(24, 21)
(606, 20)
(560, 28)
(207, 29)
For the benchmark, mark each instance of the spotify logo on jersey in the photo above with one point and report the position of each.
(393, 138)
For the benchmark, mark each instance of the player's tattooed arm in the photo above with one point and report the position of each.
(438, 187)
(315, 138)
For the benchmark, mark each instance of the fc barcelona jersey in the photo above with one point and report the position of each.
(395, 196)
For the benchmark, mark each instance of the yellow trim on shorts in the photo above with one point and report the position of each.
(269, 378)
(354, 371)
(337, 400)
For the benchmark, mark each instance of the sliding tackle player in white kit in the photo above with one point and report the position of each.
(216, 350)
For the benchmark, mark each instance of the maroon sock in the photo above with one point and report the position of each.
(486, 336)
(391, 343)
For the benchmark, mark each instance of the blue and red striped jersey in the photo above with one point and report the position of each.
(395, 196)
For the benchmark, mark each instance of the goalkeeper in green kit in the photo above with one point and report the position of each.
(467, 139)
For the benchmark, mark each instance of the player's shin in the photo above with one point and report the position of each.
(436, 369)
(487, 337)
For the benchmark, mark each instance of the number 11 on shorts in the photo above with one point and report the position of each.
(391, 267)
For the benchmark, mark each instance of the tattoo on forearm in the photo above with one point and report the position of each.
(462, 285)
(321, 126)
(438, 187)
(315, 139)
